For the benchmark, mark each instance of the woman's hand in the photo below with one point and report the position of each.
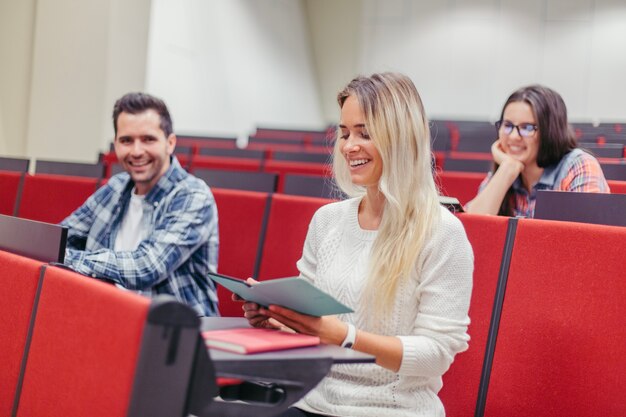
(500, 157)
(498, 152)
(329, 329)
(251, 312)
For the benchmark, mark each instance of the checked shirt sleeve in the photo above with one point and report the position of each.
(79, 223)
(186, 222)
(585, 175)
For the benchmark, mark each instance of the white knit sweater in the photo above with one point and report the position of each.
(429, 315)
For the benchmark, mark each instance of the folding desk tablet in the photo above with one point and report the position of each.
(37, 240)
(596, 208)
(295, 372)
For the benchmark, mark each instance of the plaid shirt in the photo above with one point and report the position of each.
(181, 247)
(577, 171)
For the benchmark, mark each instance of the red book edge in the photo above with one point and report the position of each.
(255, 340)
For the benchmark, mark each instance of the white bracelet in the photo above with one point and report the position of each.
(348, 342)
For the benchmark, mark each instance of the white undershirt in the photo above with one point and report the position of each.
(131, 232)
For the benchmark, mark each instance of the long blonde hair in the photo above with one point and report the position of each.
(397, 125)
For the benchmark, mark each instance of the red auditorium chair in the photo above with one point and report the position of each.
(14, 164)
(76, 169)
(86, 332)
(19, 278)
(240, 180)
(460, 384)
(51, 198)
(290, 167)
(462, 185)
(226, 163)
(617, 187)
(240, 215)
(561, 347)
(287, 226)
(9, 186)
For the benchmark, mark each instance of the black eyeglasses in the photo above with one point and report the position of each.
(525, 130)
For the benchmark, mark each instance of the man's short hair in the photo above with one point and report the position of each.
(135, 103)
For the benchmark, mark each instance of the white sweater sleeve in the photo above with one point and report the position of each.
(444, 291)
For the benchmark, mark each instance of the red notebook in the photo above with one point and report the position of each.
(255, 340)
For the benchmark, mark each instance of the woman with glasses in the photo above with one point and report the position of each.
(392, 253)
(535, 150)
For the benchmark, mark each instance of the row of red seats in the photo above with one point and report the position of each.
(547, 265)
(79, 347)
(559, 325)
(50, 198)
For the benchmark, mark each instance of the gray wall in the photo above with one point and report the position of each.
(67, 62)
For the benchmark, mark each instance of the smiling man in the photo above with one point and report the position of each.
(153, 228)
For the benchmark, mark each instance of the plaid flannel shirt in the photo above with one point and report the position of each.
(181, 247)
(577, 171)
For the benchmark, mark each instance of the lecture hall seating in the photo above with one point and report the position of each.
(561, 343)
(462, 185)
(460, 384)
(241, 215)
(19, 277)
(283, 168)
(617, 187)
(287, 227)
(14, 164)
(94, 316)
(9, 186)
(98, 351)
(51, 198)
(559, 337)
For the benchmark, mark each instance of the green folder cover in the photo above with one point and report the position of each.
(295, 293)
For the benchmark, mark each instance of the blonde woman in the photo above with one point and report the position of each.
(392, 253)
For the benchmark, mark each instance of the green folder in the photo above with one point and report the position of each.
(295, 293)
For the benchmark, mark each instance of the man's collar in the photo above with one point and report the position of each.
(174, 174)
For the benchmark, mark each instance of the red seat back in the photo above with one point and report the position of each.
(51, 198)
(561, 347)
(84, 348)
(19, 277)
(462, 185)
(286, 231)
(9, 185)
(460, 384)
(291, 167)
(220, 162)
(617, 187)
(240, 216)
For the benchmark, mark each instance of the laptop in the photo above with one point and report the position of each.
(37, 240)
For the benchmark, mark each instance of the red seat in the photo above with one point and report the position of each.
(460, 384)
(617, 187)
(240, 215)
(9, 184)
(561, 347)
(286, 231)
(19, 277)
(462, 185)
(220, 162)
(290, 167)
(51, 198)
(84, 349)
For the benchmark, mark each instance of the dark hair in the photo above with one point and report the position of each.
(556, 137)
(135, 103)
